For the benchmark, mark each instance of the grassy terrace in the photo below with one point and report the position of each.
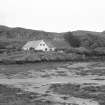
(20, 57)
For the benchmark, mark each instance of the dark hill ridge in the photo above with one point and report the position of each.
(18, 33)
(29, 34)
(82, 32)
(88, 39)
(4, 28)
(21, 34)
(18, 36)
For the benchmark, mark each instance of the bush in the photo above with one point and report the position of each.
(73, 40)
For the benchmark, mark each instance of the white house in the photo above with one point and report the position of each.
(39, 45)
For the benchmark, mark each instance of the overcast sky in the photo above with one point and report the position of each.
(54, 15)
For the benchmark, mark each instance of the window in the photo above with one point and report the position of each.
(50, 49)
(42, 44)
(45, 49)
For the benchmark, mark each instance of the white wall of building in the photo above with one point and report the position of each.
(42, 46)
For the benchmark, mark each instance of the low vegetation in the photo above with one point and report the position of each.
(24, 57)
(15, 96)
(87, 92)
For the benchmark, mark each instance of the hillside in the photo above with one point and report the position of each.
(16, 37)
(87, 39)
(21, 34)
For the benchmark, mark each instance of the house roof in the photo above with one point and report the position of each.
(61, 44)
(49, 43)
(52, 44)
(32, 43)
(35, 43)
(57, 43)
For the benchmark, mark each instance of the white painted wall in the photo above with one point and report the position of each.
(42, 46)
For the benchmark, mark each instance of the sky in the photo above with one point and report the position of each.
(54, 15)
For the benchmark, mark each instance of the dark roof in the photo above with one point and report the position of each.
(61, 44)
(49, 43)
